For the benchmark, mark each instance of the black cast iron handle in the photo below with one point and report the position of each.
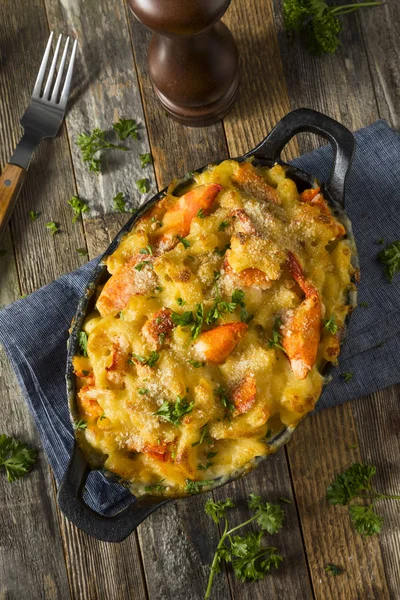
(306, 119)
(107, 529)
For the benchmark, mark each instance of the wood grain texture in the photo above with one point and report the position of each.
(320, 449)
(338, 85)
(22, 532)
(380, 27)
(178, 544)
(263, 95)
(105, 90)
(11, 180)
(378, 421)
(271, 481)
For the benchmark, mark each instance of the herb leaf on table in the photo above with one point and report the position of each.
(16, 457)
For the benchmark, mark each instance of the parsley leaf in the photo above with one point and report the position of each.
(331, 325)
(16, 457)
(390, 258)
(223, 396)
(53, 227)
(33, 215)
(204, 436)
(119, 204)
(82, 251)
(223, 225)
(142, 264)
(200, 214)
(78, 206)
(276, 340)
(175, 411)
(195, 363)
(250, 559)
(155, 487)
(221, 251)
(192, 320)
(180, 301)
(333, 569)
(318, 21)
(126, 128)
(145, 159)
(92, 143)
(150, 360)
(355, 482)
(194, 487)
(220, 306)
(143, 185)
(83, 342)
(80, 425)
(346, 376)
(146, 250)
(184, 241)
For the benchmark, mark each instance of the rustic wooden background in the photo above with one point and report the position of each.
(43, 556)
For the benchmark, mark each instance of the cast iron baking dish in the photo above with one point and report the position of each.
(116, 528)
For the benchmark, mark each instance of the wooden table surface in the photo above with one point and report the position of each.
(43, 556)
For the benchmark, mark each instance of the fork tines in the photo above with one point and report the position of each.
(53, 99)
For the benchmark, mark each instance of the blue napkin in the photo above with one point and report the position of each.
(34, 330)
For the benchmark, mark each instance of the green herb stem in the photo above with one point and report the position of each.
(339, 9)
(214, 563)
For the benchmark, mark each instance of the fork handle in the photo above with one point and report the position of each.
(11, 181)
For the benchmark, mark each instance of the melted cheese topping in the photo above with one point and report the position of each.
(168, 407)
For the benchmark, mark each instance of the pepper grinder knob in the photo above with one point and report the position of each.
(192, 59)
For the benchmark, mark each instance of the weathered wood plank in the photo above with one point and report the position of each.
(321, 448)
(271, 481)
(378, 422)
(28, 545)
(332, 84)
(380, 28)
(106, 90)
(263, 96)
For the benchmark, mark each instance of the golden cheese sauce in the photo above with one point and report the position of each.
(222, 309)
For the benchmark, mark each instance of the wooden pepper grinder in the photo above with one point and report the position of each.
(192, 58)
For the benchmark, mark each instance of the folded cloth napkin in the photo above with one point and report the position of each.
(34, 330)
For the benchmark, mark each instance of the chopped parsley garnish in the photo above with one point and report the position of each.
(155, 487)
(126, 128)
(220, 306)
(180, 301)
(194, 487)
(355, 482)
(346, 376)
(205, 435)
(195, 363)
(363, 304)
(175, 411)
(276, 340)
(142, 264)
(333, 569)
(80, 425)
(223, 396)
(158, 288)
(221, 251)
(143, 185)
(250, 559)
(83, 342)
(331, 325)
(200, 214)
(16, 457)
(223, 225)
(53, 227)
(145, 159)
(92, 143)
(143, 391)
(102, 417)
(380, 242)
(390, 258)
(82, 251)
(184, 241)
(192, 320)
(150, 360)
(33, 215)
(146, 250)
(78, 206)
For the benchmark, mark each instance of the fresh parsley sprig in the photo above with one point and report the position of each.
(355, 482)
(194, 320)
(90, 144)
(331, 325)
(276, 340)
(150, 360)
(175, 411)
(16, 457)
(126, 128)
(250, 560)
(318, 22)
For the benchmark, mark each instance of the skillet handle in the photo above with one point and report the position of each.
(305, 119)
(106, 529)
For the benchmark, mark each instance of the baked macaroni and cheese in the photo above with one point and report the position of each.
(223, 307)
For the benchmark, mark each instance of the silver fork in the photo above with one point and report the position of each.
(42, 119)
